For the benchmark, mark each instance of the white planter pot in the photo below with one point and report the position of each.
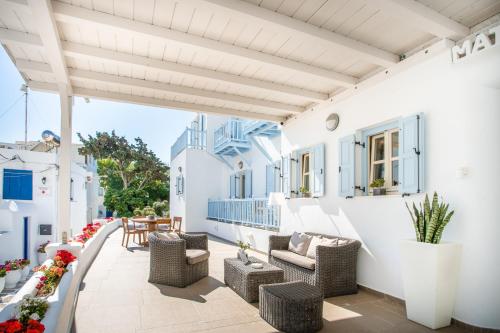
(25, 272)
(430, 277)
(2, 283)
(12, 278)
(41, 257)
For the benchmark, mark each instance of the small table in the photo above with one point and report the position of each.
(292, 306)
(144, 220)
(245, 280)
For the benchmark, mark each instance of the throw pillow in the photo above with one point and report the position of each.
(168, 236)
(319, 241)
(299, 243)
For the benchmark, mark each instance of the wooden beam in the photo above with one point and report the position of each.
(81, 51)
(72, 14)
(33, 66)
(156, 102)
(46, 24)
(182, 90)
(242, 10)
(422, 17)
(95, 53)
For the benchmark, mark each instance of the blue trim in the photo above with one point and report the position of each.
(17, 184)
(366, 151)
(25, 237)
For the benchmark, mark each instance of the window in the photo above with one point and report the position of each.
(17, 184)
(304, 169)
(384, 158)
(392, 151)
(240, 185)
(179, 185)
(72, 190)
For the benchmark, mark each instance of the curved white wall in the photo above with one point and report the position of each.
(461, 103)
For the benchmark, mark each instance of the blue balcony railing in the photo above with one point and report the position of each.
(189, 139)
(262, 128)
(230, 138)
(253, 212)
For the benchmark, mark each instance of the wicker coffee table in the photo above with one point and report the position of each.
(292, 306)
(245, 280)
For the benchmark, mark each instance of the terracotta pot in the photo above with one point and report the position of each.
(12, 278)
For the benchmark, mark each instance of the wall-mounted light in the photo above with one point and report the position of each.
(44, 180)
(180, 169)
(332, 122)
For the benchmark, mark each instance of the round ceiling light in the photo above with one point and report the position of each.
(332, 122)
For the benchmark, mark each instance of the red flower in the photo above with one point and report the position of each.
(65, 256)
(34, 326)
(11, 326)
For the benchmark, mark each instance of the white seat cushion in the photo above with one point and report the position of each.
(294, 258)
(194, 256)
(299, 243)
(168, 236)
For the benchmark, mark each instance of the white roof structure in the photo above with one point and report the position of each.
(265, 59)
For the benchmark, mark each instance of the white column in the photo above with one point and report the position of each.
(63, 198)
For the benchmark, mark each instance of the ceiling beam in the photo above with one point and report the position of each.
(90, 52)
(20, 38)
(156, 102)
(47, 28)
(278, 22)
(123, 81)
(72, 14)
(422, 17)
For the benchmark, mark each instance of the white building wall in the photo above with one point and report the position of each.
(178, 202)
(461, 103)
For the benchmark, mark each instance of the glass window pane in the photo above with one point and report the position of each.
(395, 144)
(395, 173)
(379, 149)
(306, 182)
(306, 163)
(378, 171)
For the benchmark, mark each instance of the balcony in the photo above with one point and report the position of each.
(230, 139)
(262, 128)
(251, 212)
(189, 139)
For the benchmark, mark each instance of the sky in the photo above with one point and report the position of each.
(158, 127)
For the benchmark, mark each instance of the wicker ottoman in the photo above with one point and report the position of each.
(245, 280)
(292, 306)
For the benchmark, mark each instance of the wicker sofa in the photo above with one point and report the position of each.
(333, 271)
(178, 262)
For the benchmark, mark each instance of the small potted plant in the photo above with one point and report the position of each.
(304, 192)
(429, 267)
(2, 278)
(149, 212)
(25, 268)
(138, 212)
(242, 255)
(160, 207)
(41, 254)
(13, 273)
(378, 186)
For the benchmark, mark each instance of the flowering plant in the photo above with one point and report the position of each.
(41, 248)
(65, 257)
(11, 265)
(49, 280)
(24, 262)
(33, 308)
(87, 232)
(3, 272)
(14, 326)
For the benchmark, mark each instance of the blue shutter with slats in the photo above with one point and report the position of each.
(237, 186)
(270, 179)
(232, 186)
(17, 184)
(248, 183)
(285, 175)
(411, 154)
(346, 166)
(318, 169)
(181, 181)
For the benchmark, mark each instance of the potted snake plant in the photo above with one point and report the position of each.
(430, 267)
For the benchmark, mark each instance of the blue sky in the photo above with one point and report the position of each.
(159, 128)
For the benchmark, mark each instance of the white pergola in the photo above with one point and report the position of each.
(262, 59)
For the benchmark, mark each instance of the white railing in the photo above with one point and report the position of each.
(189, 139)
(252, 212)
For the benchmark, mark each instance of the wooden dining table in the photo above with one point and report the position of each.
(151, 223)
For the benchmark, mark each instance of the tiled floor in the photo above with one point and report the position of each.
(116, 297)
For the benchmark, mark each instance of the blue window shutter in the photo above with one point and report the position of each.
(17, 184)
(181, 181)
(269, 179)
(346, 166)
(318, 169)
(285, 175)
(232, 186)
(177, 188)
(237, 189)
(248, 183)
(411, 154)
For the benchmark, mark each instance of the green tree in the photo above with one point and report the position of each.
(132, 175)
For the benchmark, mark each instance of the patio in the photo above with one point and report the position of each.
(116, 297)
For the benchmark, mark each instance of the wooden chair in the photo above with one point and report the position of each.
(176, 225)
(128, 230)
(163, 224)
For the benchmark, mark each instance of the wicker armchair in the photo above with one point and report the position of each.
(178, 262)
(334, 270)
